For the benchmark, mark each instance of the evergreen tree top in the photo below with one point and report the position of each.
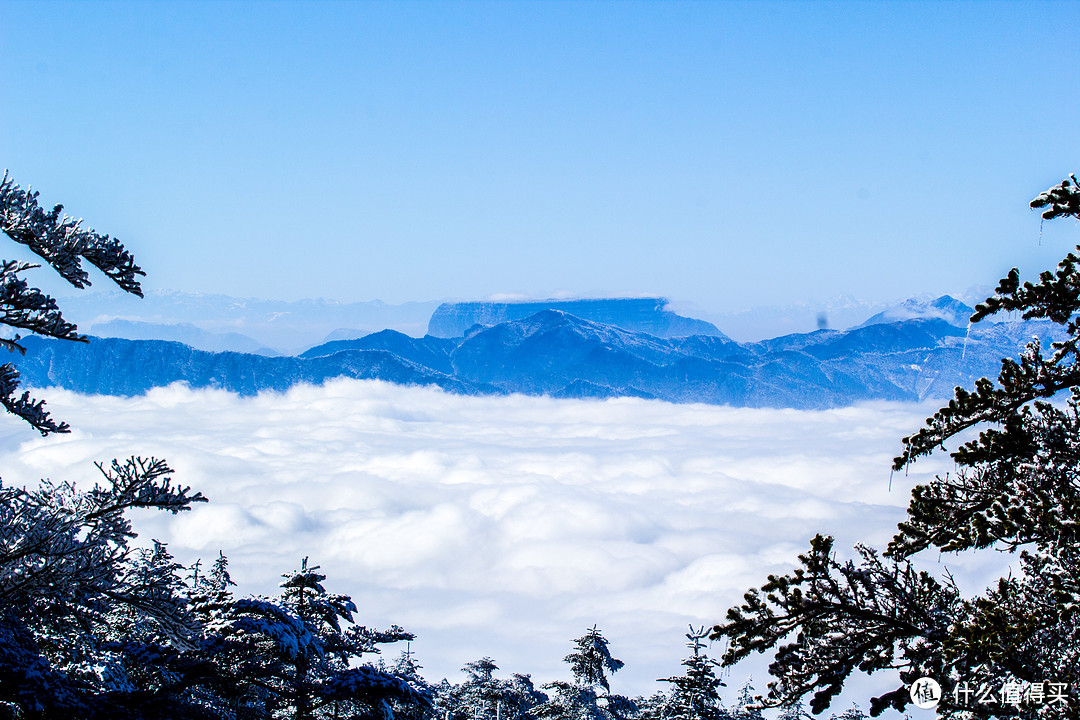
(1016, 486)
(592, 660)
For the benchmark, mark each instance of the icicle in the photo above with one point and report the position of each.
(1041, 221)
(967, 334)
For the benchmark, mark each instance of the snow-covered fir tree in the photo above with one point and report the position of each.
(590, 662)
(70, 585)
(89, 626)
(747, 704)
(65, 579)
(696, 693)
(407, 668)
(793, 711)
(1016, 488)
(313, 660)
(852, 713)
(482, 696)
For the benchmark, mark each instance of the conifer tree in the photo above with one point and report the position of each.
(315, 667)
(92, 628)
(408, 669)
(482, 696)
(1016, 488)
(592, 661)
(70, 590)
(747, 706)
(590, 664)
(793, 711)
(852, 713)
(86, 626)
(695, 695)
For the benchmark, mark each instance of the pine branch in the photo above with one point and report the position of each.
(1061, 200)
(62, 242)
(844, 617)
(1016, 486)
(30, 410)
(1019, 383)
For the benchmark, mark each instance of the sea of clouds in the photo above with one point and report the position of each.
(505, 526)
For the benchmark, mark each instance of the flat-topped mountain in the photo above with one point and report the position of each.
(555, 353)
(646, 315)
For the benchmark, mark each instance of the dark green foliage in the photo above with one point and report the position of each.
(408, 669)
(1016, 487)
(1060, 201)
(793, 711)
(322, 672)
(62, 242)
(844, 616)
(567, 701)
(852, 713)
(298, 655)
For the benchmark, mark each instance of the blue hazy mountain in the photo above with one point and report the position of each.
(945, 308)
(114, 366)
(286, 326)
(555, 353)
(185, 333)
(428, 351)
(647, 315)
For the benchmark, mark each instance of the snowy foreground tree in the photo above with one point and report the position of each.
(63, 243)
(91, 627)
(695, 695)
(70, 587)
(589, 697)
(1012, 652)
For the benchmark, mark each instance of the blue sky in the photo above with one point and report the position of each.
(722, 154)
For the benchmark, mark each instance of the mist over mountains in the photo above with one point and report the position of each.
(918, 350)
(239, 324)
(220, 323)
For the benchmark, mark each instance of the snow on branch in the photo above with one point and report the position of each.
(62, 241)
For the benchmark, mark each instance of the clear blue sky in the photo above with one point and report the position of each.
(724, 154)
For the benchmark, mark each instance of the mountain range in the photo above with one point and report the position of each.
(647, 315)
(275, 327)
(553, 352)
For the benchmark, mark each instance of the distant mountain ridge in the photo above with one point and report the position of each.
(221, 323)
(180, 332)
(647, 315)
(115, 366)
(229, 323)
(945, 308)
(555, 353)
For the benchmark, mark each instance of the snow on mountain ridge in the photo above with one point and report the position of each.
(945, 308)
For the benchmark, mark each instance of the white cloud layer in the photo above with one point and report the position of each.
(503, 526)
